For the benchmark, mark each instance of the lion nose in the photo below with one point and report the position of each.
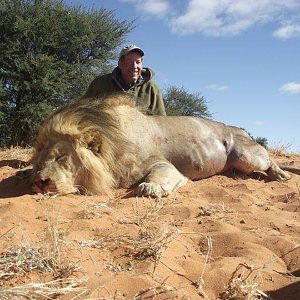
(42, 185)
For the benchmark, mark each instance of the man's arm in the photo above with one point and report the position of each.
(157, 101)
(92, 90)
(101, 85)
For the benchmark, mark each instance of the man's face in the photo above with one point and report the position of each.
(131, 66)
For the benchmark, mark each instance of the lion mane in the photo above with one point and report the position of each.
(105, 155)
(95, 145)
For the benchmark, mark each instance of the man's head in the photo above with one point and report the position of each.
(131, 63)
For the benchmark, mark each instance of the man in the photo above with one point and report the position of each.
(130, 76)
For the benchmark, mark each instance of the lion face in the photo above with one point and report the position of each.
(57, 169)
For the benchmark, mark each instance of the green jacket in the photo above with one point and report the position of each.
(146, 90)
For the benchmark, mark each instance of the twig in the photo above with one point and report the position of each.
(5, 233)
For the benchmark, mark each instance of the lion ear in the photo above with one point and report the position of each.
(92, 142)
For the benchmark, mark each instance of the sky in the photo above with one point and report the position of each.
(242, 56)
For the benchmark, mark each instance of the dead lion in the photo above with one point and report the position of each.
(94, 145)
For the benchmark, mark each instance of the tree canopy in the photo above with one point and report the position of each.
(178, 101)
(49, 53)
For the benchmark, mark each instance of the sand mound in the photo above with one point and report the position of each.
(225, 237)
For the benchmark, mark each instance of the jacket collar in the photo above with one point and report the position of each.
(146, 75)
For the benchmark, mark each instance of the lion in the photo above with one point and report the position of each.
(97, 145)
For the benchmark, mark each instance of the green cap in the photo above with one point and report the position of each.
(130, 48)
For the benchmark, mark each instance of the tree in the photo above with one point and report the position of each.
(259, 140)
(178, 101)
(262, 141)
(49, 53)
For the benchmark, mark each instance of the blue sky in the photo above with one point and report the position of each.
(242, 56)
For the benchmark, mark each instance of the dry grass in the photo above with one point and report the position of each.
(54, 237)
(200, 283)
(213, 209)
(153, 292)
(119, 267)
(153, 243)
(148, 243)
(16, 153)
(20, 261)
(94, 210)
(280, 149)
(150, 213)
(45, 290)
(243, 285)
(35, 262)
(45, 196)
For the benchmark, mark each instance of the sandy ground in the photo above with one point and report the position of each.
(225, 237)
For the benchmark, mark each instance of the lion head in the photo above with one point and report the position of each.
(80, 148)
(58, 168)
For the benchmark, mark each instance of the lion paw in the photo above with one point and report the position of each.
(275, 173)
(150, 189)
(282, 176)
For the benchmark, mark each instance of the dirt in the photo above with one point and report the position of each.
(210, 238)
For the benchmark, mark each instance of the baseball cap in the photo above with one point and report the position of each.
(130, 48)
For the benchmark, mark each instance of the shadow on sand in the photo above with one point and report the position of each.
(289, 292)
(13, 163)
(15, 185)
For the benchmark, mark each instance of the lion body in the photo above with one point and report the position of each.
(99, 144)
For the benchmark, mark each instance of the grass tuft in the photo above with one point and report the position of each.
(45, 290)
(213, 209)
(243, 285)
(146, 244)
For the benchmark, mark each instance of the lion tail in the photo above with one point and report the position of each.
(290, 169)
